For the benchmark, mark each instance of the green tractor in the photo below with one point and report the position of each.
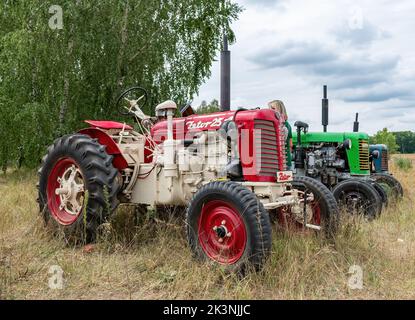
(379, 167)
(341, 161)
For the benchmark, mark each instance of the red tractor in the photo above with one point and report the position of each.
(228, 169)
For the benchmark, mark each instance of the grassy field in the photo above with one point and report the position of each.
(153, 261)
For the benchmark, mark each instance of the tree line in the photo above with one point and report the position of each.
(397, 142)
(51, 79)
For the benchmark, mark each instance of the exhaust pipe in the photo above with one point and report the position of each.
(225, 76)
(356, 123)
(325, 110)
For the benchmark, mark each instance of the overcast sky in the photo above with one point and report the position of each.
(363, 51)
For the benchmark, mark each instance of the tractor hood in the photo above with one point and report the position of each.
(339, 137)
(380, 147)
(185, 128)
(261, 139)
(193, 123)
(357, 155)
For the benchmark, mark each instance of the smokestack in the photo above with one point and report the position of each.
(225, 76)
(356, 124)
(325, 110)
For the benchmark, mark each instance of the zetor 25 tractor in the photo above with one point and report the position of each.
(341, 162)
(227, 168)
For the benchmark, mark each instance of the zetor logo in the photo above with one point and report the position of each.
(284, 176)
(216, 122)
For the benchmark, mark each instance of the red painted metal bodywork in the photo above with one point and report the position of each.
(106, 125)
(187, 128)
(104, 139)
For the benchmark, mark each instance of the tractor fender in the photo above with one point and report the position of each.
(104, 139)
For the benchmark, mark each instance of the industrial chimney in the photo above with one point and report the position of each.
(225, 76)
(356, 124)
(325, 110)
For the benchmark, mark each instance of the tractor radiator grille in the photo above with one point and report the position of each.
(364, 154)
(385, 166)
(268, 144)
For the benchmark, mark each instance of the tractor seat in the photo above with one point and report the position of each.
(107, 125)
(300, 124)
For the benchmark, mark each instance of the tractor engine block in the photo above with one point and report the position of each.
(324, 161)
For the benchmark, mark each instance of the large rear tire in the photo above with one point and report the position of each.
(390, 184)
(358, 197)
(321, 211)
(227, 224)
(78, 188)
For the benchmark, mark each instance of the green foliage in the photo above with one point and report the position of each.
(51, 80)
(205, 108)
(387, 138)
(406, 141)
(404, 164)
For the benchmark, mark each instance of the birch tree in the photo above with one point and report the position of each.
(51, 79)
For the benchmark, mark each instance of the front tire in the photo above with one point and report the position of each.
(78, 188)
(358, 197)
(390, 184)
(227, 224)
(322, 210)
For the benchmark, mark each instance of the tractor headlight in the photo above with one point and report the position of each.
(347, 144)
(375, 154)
(161, 113)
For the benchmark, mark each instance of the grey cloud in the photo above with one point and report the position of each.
(389, 110)
(356, 66)
(341, 120)
(323, 62)
(343, 73)
(408, 119)
(397, 107)
(357, 81)
(373, 95)
(359, 36)
(292, 54)
(386, 113)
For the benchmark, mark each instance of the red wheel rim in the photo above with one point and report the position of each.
(58, 210)
(222, 234)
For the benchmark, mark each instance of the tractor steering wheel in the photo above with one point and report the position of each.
(131, 101)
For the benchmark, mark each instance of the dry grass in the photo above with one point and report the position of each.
(154, 261)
